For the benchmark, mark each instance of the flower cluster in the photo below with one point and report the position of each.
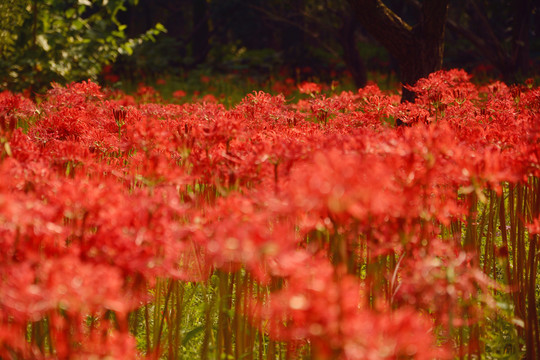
(339, 234)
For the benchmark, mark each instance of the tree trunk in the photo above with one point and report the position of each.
(521, 36)
(201, 32)
(354, 62)
(419, 49)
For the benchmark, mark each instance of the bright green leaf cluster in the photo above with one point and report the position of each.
(61, 41)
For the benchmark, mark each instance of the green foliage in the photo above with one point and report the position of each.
(501, 336)
(61, 41)
(13, 14)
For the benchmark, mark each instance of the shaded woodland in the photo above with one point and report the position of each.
(64, 41)
(357, 35)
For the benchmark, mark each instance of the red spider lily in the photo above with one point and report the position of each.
(534, 227)
(315, 202)
(285, 87)
(105, 341)
(444, 87)
(326, 309)
(12, 108)
(309, 88)
(178, 94)
(443, 280)
(261, 110)
(238, 233)
(64, 283)
(147, 94)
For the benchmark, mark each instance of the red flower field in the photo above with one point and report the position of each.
(133, 228)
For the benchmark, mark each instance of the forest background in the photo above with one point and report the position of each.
(129, 41)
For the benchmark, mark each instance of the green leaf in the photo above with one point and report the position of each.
(192, 333)
(127, 49)
(159, 27)
(77, 24)
(70, 13)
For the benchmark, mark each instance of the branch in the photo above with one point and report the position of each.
(477, 41)
(485, 48)
(484, 23)
(415, 3)
(277, 18)
(384, 25)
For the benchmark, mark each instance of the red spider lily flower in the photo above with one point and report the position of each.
(178, 94)
(318, 305)
(98, 200)
(237, 232)
(444, 87)
(442, 279)
(286, 87)
(534, 227)
(209, 98)
(12, 108)
(147, 94)
(309, 88)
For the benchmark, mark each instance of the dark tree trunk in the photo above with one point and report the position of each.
(201, 31)
(419, 49)
(293, 37)
(521, 36)
(354, 62)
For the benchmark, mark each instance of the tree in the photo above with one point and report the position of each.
(500, 32)
(61, 41)
(418, 49)
(329, 24)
